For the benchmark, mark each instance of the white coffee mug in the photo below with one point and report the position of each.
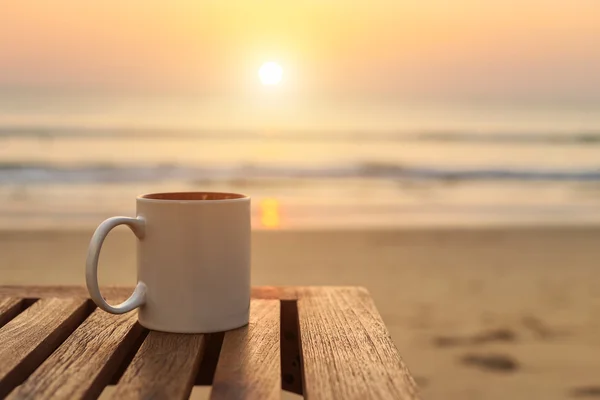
(193, 262)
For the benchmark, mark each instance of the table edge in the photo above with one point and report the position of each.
(258, 292)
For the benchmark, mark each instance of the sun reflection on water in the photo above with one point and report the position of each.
(269, 213)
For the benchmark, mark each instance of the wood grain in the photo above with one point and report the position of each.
(249, 365)
(9, 308)
(33, 335)
(164, 367)
(347, 352)
(85, 362)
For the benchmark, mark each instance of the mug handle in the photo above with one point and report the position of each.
(138, 297)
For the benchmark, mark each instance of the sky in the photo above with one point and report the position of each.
(374, 51)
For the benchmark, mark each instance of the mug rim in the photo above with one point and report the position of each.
(148, 197)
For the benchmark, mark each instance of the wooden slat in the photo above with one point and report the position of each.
(9, 308)
(30, 337)
(347, 352)
(86, 361)
(249, 365)
(164, 368)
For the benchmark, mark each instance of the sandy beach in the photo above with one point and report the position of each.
(476, 313)
(445, 156)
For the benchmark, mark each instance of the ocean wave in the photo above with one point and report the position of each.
(524, 138)
(513, 138)
(35, 173)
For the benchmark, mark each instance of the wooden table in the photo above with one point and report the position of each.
(320, 342)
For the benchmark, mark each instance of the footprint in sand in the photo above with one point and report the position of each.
(496, 335)
(421, 381)
(540, 329)
(491, 362)
(586, 392)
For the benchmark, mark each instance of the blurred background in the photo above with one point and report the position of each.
(445, 155)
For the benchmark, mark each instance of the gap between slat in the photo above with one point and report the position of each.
(208, 366)
(129, 357)
(28, 302)
(11, 307)
(291, 362)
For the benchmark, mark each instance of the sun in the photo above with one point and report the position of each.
(270, 73)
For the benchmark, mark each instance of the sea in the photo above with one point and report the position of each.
(512, 166)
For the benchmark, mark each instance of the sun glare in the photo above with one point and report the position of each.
(270, 73)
